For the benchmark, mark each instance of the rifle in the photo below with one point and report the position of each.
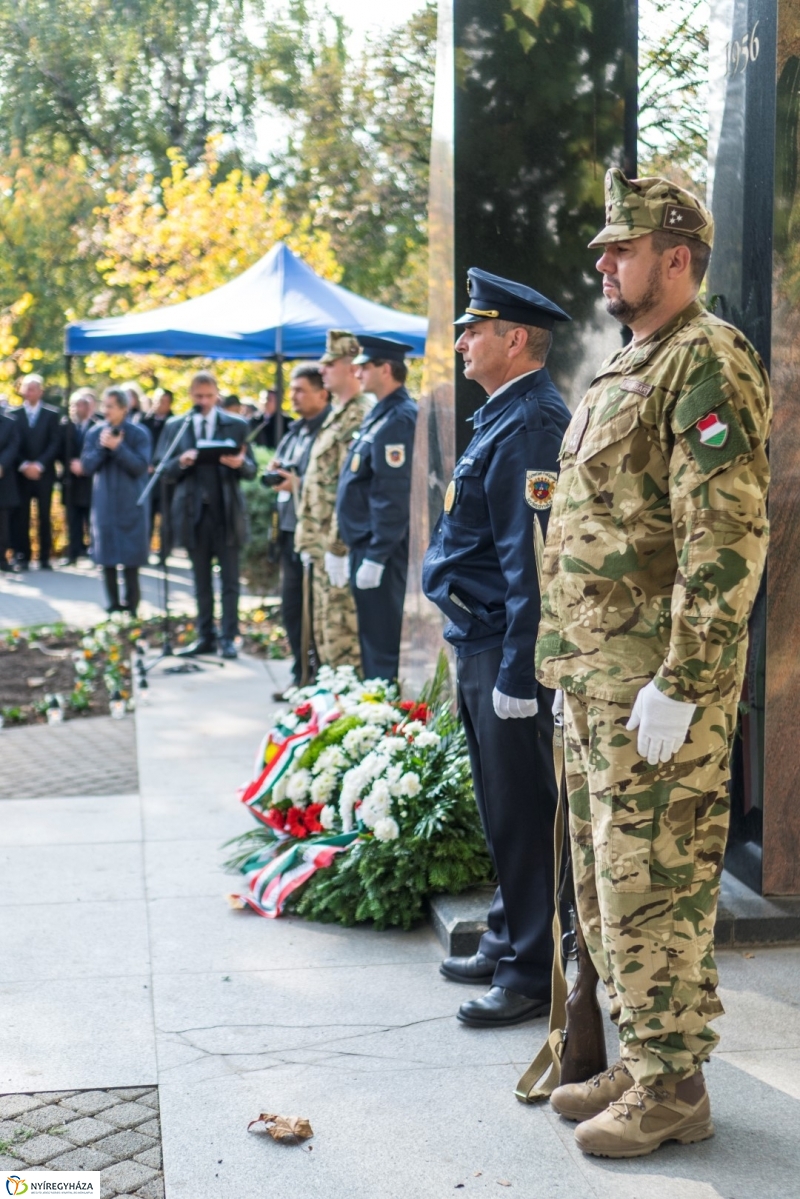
(575, 1048)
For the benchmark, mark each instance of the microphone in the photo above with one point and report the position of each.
(198, 409)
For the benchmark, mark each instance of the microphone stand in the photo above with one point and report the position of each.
(166, 651)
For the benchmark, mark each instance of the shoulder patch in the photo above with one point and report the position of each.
(395, 455)
(718, 439)
(539, 488)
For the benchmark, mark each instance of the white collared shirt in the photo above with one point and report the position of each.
(211, 425)
(516, 379)
(32, 411)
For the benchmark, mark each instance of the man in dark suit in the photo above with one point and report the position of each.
(155, 422)
(208, 512)
(9, 496)
(76, 487)
(39, 444)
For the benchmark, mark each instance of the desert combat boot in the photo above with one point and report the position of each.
(582, 1100)
(673, 1109)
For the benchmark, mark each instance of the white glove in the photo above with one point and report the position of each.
(508, 707)
(369, 575)
(662, 723)
(305, 558)
(338, 569)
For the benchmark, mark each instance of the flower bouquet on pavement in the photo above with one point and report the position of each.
(364, 804)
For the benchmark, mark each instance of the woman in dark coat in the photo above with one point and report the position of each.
(117, 454)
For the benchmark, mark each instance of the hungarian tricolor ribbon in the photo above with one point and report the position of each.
(272, 876)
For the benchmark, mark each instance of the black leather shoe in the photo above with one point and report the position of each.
(500, 1007)
(472, 970)
(227, 649)
(45, 566)
(203, 645)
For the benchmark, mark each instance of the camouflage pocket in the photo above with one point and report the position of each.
(716, 563)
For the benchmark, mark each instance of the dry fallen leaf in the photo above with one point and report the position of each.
(35, 682)
(289, 1130)
(748, 955)
(477, 1174)
(503, 1183)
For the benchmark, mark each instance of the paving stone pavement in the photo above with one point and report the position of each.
(116, 1131)
(94, 756)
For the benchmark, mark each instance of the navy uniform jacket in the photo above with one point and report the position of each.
(374, 493)
(480, 567)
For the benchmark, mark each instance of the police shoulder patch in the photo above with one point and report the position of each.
(539, 488)
(395, 455)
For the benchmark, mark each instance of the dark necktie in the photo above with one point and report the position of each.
(204, 430)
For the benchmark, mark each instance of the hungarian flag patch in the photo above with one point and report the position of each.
(713, 431)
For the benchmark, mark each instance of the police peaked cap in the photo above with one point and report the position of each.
(382, 349)
(494, 298)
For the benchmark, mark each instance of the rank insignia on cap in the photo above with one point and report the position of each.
(713, 432)
(539, 487)
(395, 455)
(682, 219)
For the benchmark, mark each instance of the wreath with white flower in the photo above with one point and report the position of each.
(364, 803)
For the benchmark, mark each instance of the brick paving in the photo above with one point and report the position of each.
(115, 1131)
(95, 756)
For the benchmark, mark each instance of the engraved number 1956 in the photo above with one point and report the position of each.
(739, 54)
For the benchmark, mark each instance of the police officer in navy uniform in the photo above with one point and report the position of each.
(373, 502)
(480, 569)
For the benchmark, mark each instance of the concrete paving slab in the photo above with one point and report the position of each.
(186, 869)
(76, 941)
(89, 1032)
(98, 820)
(65, 874)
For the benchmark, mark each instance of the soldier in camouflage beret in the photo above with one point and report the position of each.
(655, 547)
(335, 621)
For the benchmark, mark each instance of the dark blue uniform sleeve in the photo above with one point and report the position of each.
(512, 520)
(390, 487)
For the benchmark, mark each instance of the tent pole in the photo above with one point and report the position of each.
(279, 395)
(68, 373)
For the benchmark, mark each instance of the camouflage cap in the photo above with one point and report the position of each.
(340, 344)
(636, 207)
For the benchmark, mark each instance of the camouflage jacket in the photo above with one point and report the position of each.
(316, 530)
(658, 532)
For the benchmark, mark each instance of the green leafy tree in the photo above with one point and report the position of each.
(673, 87)
(109, 78)
(358, 152)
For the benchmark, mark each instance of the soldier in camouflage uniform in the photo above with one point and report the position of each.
(655, 548)
(335, 624)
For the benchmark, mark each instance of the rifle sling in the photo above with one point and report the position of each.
(550, 1053)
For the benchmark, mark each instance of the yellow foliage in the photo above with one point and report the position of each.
(198, 231)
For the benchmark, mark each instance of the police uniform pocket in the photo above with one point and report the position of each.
(469, 501)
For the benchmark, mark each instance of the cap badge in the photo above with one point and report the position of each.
(450, 496)
(682, 219)
(395, 455)
(713, 431)
(539, 487)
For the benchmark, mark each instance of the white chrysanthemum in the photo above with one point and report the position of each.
(297, 786)
(426, 739)
(386, 829)
(331, 758)
(392, 745)
(327, 816)
(359, 741)
(410, 784)
(377, 713)
(323, 786)
(413, 727)
(376, 806)
(279, 790)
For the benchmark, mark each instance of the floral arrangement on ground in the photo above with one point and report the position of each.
(364, 805)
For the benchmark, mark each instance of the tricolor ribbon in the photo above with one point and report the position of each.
(272, 876)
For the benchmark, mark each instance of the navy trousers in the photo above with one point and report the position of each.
(515, 789)
(380, 613)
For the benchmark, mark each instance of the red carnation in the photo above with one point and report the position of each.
(408, 705)
(304, 711)
(275, 819)
(295, 824)
(311, 817)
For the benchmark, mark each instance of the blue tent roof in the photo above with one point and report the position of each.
(278, 306)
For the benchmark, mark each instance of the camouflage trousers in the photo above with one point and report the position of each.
(647, 847)
(335, 622)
